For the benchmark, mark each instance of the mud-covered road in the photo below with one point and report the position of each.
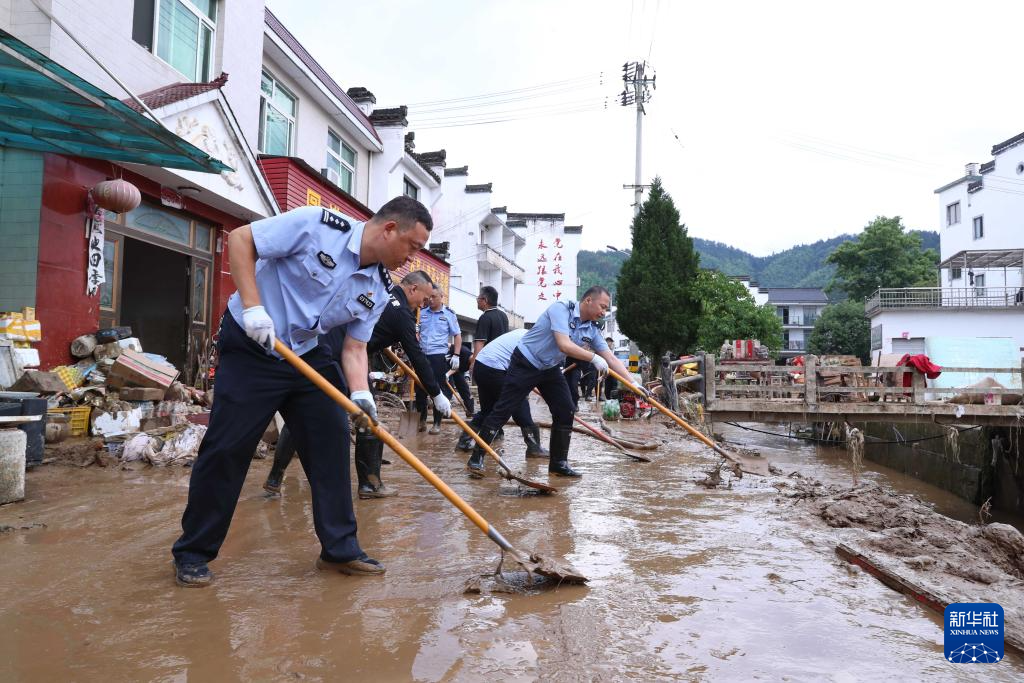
(687, 583)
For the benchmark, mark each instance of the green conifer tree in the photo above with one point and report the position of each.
(657, 307)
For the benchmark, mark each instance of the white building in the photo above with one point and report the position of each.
(799, 309)
(981, 231)
(549, 259)
(757, 293)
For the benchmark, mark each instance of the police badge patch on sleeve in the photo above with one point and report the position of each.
(326, 260)
(366, 301)
(333, 220)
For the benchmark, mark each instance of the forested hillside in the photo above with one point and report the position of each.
(799, 266)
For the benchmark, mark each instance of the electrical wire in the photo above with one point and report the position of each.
(537, 107)
(500, 93)
(583, 110)
(509, 100)
(873, 440)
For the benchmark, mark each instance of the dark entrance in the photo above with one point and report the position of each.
(155, 298)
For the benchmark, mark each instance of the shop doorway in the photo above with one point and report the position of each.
(155, 298)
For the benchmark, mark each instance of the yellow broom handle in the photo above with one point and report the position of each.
(680, 421)
(458, 420)
(382, 434)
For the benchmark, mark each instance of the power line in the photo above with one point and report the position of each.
(522, 98)
(654, 29)
(537, 107)
(507, 92)
(581, 110)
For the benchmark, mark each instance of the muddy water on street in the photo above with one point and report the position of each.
(687, 583)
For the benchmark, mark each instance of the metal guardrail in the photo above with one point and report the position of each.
(492, 256)
(944, 297)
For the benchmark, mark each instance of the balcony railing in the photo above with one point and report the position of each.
(486, 255)
(796, 345)
(944, 297)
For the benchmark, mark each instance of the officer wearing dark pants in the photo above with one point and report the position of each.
(438, 326)
(298, 275)
(397, 325)
(559, 332)
(458, 378)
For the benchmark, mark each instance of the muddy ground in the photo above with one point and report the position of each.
(688, 583)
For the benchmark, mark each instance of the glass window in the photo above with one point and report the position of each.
(410, 189)
(979, 227)
(953, 213)
(277, 117)
(203, 237)
(199, 286)
(160, 223)
(955, 273)
(341, 162)
(185, 36)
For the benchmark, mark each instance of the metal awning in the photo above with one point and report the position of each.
(985, 258)
(46, 108)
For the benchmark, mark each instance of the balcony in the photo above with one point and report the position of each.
(490, 258)
(807, 321)
(930, 298)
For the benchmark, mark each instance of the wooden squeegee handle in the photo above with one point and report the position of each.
(321, 382)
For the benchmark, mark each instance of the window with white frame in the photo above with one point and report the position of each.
(184, 32)
(277, 117)
(979, 227)
(955, 273)
(979, 285)
(341, 162)
(953, 213)
(410, 189)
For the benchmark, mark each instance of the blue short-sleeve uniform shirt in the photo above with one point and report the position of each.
(539, 346)
(436, 327)
(497, 353)
(310, 280)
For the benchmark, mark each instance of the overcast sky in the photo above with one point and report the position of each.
(773, 123)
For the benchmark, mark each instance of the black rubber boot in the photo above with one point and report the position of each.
(531, 435)
(369, 453)
(475, 465)
(465, 442)
(283, 454)
(559, 458)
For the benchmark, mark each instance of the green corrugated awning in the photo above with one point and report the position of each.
(46, 108)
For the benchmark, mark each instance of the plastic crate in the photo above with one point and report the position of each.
(78, 417)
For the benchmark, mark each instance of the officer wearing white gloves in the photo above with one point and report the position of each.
(397, 325)
(299, 275)
(438, 326)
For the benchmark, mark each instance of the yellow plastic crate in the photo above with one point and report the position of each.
(78, 417)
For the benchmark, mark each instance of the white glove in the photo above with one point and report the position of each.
(364, 399)
(455, 363)
(258, 326)
(600, 364)
(377, 376)
(443, 405)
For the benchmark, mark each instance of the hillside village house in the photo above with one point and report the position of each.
(979, 296)
(799, 309)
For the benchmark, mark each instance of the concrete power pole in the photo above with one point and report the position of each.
(636, 92)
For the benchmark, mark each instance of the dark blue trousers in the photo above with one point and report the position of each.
(440, 367)
(520, 379)
(250, 386)
(489, 383)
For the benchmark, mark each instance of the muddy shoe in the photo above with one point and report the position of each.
(465, 443)
(273, 484)
(196, 575)
(361, 566)
(368, 492)
(562, 469)
(475, 464)
(422, 427)
(434, 430)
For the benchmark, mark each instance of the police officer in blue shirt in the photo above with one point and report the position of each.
(438, 325)
(561, 331)
(298, 275)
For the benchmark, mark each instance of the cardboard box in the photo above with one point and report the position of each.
(40, 382)
(133, 369)
(17, 329)
(142, 394)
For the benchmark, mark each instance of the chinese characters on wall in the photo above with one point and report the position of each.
(95, 274)
(550, 278)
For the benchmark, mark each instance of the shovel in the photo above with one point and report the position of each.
(749, 464)
(602, 436)
(532, 563)
(506, 470)
(409, 422)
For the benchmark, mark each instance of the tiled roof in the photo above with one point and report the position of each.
(516, 224)
(418, 158)
(360, 94)
(434, 158)
(573, 230)
(1007, 144)
(293, 43)
(484, 187)
(803, 295)
(461, 170)
(987, 166)
(394, 116)
(536, 216)
(175, 92)
(500, 209)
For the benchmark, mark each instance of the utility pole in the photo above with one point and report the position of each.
(636, 92)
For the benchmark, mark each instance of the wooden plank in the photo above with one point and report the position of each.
(709, 370)
(811, 380)
(15, 420)
(907, 587)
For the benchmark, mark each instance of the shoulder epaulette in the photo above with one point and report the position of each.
(385, 277)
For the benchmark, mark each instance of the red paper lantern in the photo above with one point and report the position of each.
(116, 195)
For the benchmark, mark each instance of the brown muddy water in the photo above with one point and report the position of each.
(686, 583)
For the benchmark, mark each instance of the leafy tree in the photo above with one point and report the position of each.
(884, 255)
(729, 312)
(599, 268)
(842, 328)
(656, 306)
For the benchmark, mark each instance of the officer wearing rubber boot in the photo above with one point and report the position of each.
(397, 325)
(489, 374)
(559, 332)
(298, 276)
(438, 325)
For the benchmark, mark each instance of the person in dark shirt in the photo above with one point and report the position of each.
(492, 323)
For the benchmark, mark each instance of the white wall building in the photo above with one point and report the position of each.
(799, 309)
(549, 259)
(757, 293)
(981, 273)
